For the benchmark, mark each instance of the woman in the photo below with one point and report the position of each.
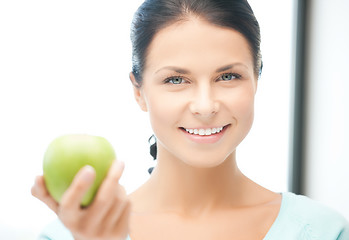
(196, 65)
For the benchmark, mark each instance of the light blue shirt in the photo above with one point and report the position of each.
(299, 218)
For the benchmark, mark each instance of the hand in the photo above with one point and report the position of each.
(108, 215)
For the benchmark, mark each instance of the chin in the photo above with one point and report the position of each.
(205, 161)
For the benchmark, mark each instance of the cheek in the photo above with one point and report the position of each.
(242, 106)
(164, 110)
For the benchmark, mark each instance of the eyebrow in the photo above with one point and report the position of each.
(186, 71)
(175, 69)
(230, 66)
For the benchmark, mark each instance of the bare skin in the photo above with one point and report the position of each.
(196, 190)
(107, 218)
(179, 208)
(197, 76)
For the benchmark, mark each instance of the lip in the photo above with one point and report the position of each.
(209, 139)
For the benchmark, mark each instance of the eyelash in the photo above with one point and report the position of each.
(169, 79)
(233, 76)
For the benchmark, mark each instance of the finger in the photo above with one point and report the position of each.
(109, 193)
(122, 225)
(114, 215)
(39, 191)
(115, 172)
(71, 199)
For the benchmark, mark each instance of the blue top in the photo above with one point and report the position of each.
(299, 218)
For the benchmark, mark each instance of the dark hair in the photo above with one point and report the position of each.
(153, 150)
(154, 15)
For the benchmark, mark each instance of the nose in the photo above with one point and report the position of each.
(204, 103)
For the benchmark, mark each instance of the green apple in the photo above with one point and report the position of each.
(67, 154)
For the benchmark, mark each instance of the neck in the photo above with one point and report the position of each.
(186, 189)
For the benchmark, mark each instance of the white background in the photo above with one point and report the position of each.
(64, 69)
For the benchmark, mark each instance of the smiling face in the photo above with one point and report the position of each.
(198, 87)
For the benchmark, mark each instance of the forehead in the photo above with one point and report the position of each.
(196, 43)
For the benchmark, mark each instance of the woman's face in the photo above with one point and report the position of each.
(198, 87)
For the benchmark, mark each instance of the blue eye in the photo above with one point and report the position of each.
(175, 80)
(229, 76)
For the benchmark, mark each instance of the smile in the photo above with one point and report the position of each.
(204, 131)
(205, 135)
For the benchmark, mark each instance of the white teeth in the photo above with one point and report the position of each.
(202, 132)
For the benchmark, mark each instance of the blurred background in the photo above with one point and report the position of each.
(64, 69)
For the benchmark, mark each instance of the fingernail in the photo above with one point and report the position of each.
(36, 180)
(121, 164)
(117, 165)
(88, 173)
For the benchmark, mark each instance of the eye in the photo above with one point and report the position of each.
(229, 76)
(174, 80)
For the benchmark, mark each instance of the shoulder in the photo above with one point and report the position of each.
(310, 219)
(55, 231)
(308, 210)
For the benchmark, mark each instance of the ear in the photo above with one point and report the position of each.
(138, 93)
